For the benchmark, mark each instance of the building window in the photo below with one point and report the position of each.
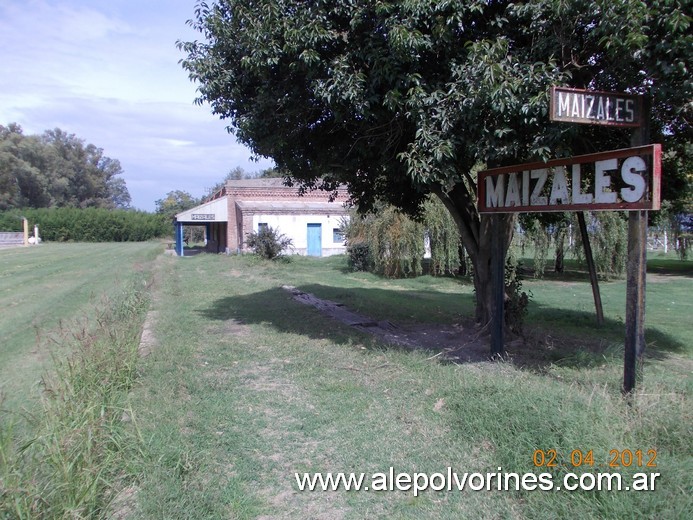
(262, 226)
(337, 236)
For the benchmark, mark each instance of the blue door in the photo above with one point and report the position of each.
(314, 240)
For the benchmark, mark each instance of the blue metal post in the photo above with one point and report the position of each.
(179, 238)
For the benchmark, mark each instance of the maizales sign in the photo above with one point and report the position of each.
(592, 107)
(627, 179)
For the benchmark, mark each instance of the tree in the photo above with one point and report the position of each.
(175, 202)
(402, 99)
(118, 193)
(390, 243)
(271, 173)
(57, 169)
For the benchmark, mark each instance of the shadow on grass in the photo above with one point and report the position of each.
(670, 267)
(577, 326)
(567, 337)
(277, 308)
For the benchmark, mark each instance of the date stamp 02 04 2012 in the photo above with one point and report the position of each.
(578, 458)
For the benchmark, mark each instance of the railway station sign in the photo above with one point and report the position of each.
(593, 107)
(626, 179)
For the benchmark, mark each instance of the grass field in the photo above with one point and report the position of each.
(41, 287)
(246, 387)
(243, 387)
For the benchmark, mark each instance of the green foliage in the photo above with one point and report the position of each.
(366, 91)
(401, 99)
(543, 230)
(443, 236)
(386, 242)
(608, 232)
(74, 459)
(392, 244)
(57, 169)
(516, 300)
(397, 244)
(89, 224)
(359, 254)
(268, 243)
(175, 202)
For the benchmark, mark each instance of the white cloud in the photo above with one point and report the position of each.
(108, 72)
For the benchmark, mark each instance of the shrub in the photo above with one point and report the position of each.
(268, 243)
(392, 244)
(359, 256)
(608, 231)
(444, 238)
(89, 224)
(397, 244)
(516, 300)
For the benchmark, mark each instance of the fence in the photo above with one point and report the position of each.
(8, 239)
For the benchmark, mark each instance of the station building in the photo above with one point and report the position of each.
(312, 221)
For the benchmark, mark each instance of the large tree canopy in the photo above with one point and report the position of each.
(401, 99)
(57, 169)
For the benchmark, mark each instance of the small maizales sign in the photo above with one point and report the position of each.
(592, 107)
(627, 179)
(202, 216)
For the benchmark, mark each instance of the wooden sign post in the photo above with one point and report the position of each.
(636, 275)
(618, 180)
(625, 180)
(497, 287)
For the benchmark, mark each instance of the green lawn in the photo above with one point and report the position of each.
(245, 387)
(43, 286)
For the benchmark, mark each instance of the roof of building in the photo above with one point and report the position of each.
(292, 207)
(213, 211)
(269, 182)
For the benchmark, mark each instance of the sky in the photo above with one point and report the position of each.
(107, 71)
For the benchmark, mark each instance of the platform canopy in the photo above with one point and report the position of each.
(213, 211)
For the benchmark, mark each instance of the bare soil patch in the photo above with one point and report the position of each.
(458, 342)
(464, 342)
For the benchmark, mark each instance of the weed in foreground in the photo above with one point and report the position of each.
(70, 463)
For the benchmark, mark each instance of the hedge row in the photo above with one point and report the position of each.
(88, 225)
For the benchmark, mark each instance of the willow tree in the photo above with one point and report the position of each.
(399, 99)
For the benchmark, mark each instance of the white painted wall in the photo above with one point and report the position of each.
(296, 228)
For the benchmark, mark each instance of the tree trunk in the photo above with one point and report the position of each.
(475, 232)
(560, 249)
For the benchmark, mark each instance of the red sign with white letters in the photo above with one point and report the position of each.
(627, 179)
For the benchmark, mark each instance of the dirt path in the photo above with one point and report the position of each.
(457, 343)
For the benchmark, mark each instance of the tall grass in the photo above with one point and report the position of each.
(67, 459)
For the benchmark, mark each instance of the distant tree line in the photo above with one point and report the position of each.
(88, 224)
(69, 188)
(56, 170)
